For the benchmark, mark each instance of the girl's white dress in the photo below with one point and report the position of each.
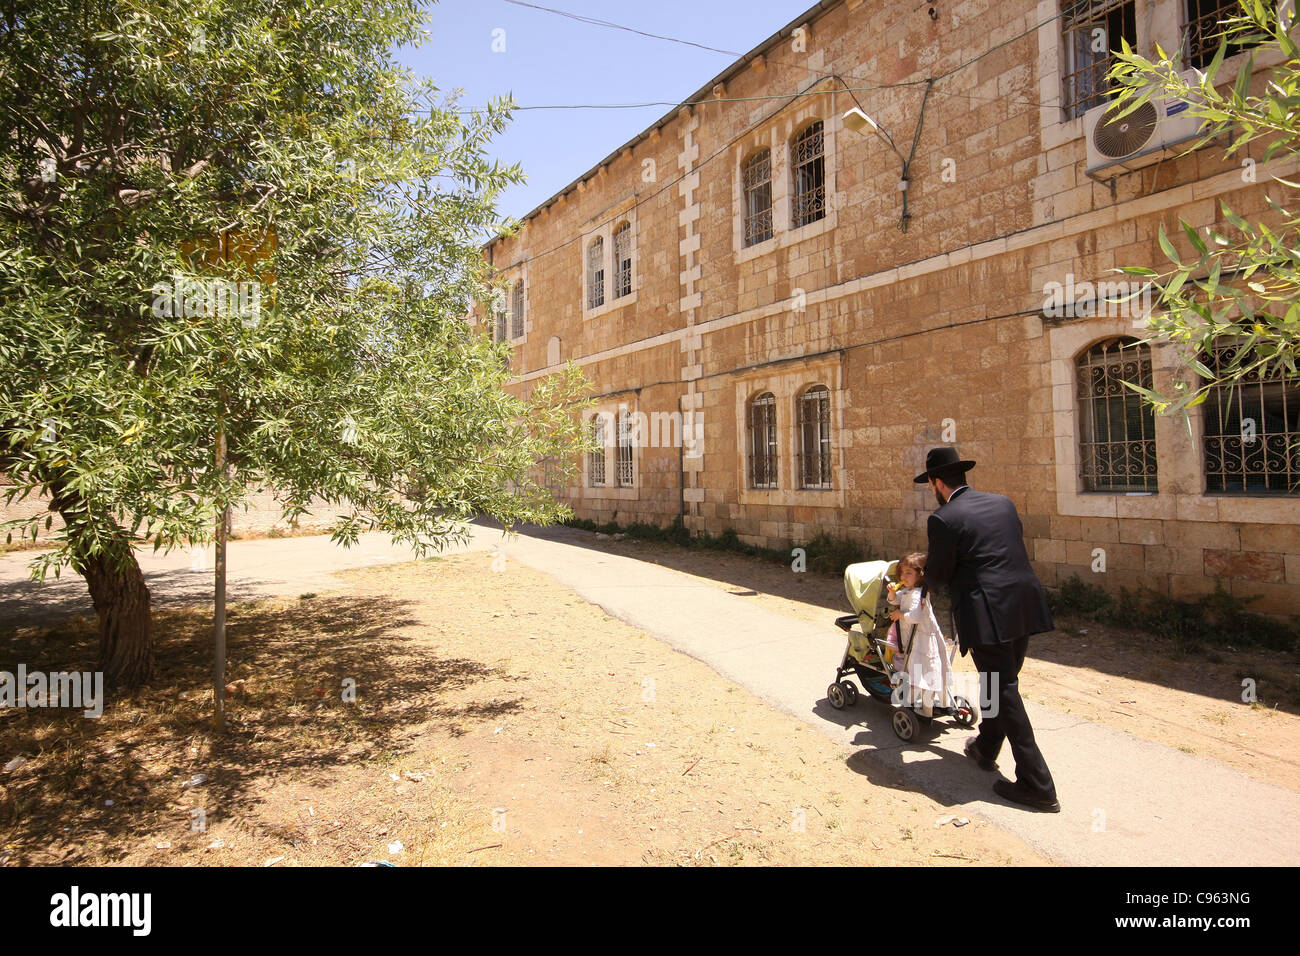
(928, 671)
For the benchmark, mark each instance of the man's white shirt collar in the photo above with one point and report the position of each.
(956, 492)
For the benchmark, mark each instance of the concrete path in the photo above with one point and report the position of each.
(1126, 801)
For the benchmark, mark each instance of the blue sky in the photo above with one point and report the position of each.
(549, 59)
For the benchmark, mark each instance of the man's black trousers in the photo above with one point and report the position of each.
(999, 665)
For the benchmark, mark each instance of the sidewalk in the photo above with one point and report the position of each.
(1126, 801)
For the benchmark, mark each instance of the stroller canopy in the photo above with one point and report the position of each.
(863, 583)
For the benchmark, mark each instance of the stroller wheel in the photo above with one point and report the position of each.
(835, 694)
(962, 712)
(905, 724)
(850, 692)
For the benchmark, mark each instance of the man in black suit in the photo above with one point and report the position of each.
(977, 551)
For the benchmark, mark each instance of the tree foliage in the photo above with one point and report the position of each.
(154, 145)
(1237, 287)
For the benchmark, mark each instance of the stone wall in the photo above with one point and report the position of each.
(929, 336)
(262, 515)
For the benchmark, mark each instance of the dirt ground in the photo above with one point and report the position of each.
(1125, 679)
(491, 725)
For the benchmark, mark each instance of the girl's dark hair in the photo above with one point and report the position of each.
(915, 560)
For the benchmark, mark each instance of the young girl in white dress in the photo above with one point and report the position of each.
(927, 671)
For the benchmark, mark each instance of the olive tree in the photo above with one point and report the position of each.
(243, 223)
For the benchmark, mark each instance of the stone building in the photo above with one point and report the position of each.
(740, 271)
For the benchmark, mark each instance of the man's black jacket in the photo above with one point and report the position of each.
(977, 551)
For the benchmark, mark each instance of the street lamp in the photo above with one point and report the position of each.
(858, 121)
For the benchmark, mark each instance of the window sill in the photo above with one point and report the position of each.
(788, 237)
(1261, 495)
(806, 497)
(613, 305)
(1118, 494)
(617, 493)
(1068, 130)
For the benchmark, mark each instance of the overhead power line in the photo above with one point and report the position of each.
(618, 26)
(711, 99)
(788, 98)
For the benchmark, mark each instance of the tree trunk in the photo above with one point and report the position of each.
(125, 621)
(118, 591)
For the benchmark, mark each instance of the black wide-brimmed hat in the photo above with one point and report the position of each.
(937, 459)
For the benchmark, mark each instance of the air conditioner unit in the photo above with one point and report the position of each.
(1137, 138)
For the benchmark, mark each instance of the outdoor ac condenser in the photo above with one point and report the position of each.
(1137, 138)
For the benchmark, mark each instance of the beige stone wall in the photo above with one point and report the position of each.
(923, 337)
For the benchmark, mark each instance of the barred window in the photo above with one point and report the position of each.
(596, 457)
(815, 438)
(1203, 23)
(625, 475)
(809, 167)
(1252, 431)
(1092, 30)
(756, 178)
(553, 475)
(499, 318)
(762, 441)
(596, 273)
(517, 311)
(622, 260)
(1117, 439)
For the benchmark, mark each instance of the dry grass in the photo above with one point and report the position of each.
(290, 724)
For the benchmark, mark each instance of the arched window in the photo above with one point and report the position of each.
(622, 260)
(596, 457)
(815, 437)
(808, 166)
(1117, 439)
(1252, 428)
(499, 317)
(762, 441)
(756, 179)
(553, 476)
(517, 311)
(596, 273)
(625, 476)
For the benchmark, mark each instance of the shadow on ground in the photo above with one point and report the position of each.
(947, 778)
(95, 783)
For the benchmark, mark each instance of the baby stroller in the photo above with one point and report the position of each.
(864, 656)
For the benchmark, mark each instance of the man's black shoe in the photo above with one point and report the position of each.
(973, 751)
(1017, 793)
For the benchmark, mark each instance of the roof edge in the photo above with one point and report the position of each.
(821, 7)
